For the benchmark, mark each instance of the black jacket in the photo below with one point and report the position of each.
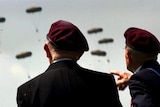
(145, 85)
(66, 83)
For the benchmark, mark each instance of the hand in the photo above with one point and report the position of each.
(123, 78)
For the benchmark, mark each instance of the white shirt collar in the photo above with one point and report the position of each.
(137, 69)
(61, 59)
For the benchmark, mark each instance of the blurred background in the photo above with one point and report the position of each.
(22, 31)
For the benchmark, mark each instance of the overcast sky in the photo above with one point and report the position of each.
(18, 34)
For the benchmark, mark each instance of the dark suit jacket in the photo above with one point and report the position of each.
(66, 83)
(145, 85)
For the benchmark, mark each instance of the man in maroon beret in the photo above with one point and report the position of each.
(141, 52)
(65, 83)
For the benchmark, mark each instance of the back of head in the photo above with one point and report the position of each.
(142, 40)
(64, 35)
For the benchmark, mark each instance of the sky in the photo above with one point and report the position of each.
(18, 34)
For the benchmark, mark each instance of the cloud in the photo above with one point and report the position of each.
(18, 71)
(11, 71)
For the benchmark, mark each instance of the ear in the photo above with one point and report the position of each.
(128, 56)
(47, 51)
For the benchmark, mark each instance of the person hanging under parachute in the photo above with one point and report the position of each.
(34, 10)
(22, 55)
(2, 21)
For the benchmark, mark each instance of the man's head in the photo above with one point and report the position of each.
(66, 40)
(142, 40)
(141, 46)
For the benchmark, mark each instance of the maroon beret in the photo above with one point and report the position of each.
(142, 40)
(66, 36)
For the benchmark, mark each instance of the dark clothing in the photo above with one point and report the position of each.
(145, 85)
(66, 83)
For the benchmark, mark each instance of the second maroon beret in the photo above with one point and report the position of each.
(142, 40)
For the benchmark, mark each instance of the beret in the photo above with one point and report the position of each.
(142, 40)
(66, 36)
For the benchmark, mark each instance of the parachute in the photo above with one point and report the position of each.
(23, 54)
(98, 52)
(2, 20)
(34, 11)
(105, 40)
(94, 30)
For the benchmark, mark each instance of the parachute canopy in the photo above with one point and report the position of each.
(23, 54)
(2, 19)
(33, 9)
(94, 30)
(98, 52)
(105, 40)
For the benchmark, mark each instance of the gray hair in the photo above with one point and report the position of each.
(140, 56)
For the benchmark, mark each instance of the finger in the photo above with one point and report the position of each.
(114, 72)
(120, 82)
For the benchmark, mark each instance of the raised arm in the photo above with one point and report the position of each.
(123, 78)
